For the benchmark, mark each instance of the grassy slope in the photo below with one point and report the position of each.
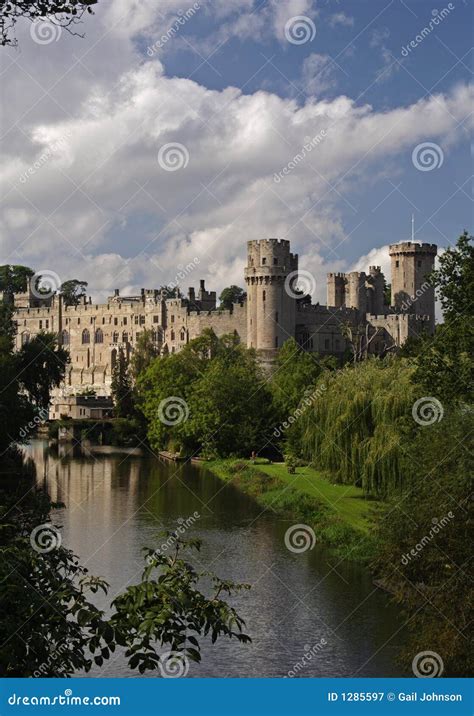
(339, 514)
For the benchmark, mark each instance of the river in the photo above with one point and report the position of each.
(117, 504)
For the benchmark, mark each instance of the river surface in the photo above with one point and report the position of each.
(117, 504)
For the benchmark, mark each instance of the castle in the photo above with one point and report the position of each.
(273, 311)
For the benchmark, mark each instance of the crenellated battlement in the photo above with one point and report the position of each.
(410, 247)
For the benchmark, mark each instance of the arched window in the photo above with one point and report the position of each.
(172, 335)
(264, 295)
(99, 336)
(64, 338)
(86, 336)
(125, 337)
(115, 337)
(182, 335)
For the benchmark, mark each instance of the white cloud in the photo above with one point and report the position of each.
(101, 208)
(340, 18)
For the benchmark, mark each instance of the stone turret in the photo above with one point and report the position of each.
(411, 264)
(336, 289)
(271, 275)
(375, 290)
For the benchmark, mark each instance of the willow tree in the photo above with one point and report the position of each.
(357, 426)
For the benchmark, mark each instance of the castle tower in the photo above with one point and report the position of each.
(356, 292)
(336, 289)
(411, 264)
(271, 305)
(375, 293)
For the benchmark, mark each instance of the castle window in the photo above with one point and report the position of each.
(142, 320)
(397, 264)
(275, 262)
(103, 320)
(172, 335)
(264, 261)
(155, 319)
(115, 337)
(136, 320)
(86, 336)
(276, 317)
(182, 335)
(41, 325)
(172, 319)
(99, 336)
(115, 321)
(78, 321)
(125, 337)
(47, 323)
(276, 341)
(63, 338)
(91, 320)
(264, 295)
(125, 321)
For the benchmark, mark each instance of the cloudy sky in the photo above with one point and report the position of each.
(174, 132)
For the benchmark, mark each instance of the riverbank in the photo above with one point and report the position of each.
(340, 515)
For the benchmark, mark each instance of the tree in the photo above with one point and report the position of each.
(423, 538)
(295, 371)
(230, 404)
(14, 279)
(73, 291)
(122, 391)
(359, 338)
(62, 13)
(445, 363)
(41, 366)
(230, 295)
(146, 350)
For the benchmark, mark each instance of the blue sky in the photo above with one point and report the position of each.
(232, 87)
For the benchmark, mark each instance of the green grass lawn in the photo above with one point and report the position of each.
(348, 501)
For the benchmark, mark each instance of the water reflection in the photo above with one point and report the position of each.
(117, 504)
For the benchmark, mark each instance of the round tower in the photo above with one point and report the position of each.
(411, 264)
(270, 274)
